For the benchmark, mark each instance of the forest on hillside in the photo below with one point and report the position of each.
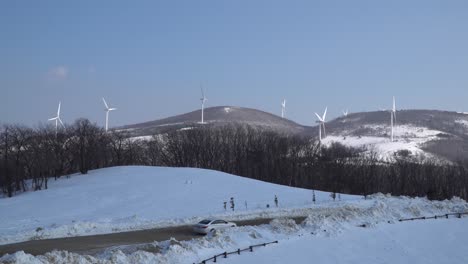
(30, 157)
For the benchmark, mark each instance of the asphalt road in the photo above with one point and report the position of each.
(95, 243)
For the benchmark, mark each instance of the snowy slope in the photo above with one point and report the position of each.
(442, 241)
(127, 198)
(435, 134)
(406, 137)
(332, 233)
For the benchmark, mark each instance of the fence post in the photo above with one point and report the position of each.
(238, 251)
(214, 260)
(225, 254)
(446, 216)
(251, 249)
(459, 215)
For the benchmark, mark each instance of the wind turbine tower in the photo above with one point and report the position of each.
(283, 108)
(393, 118)
(57, 119)
(321, 121)
(108, 109)
(203, 99)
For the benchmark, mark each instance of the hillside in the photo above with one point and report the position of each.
(435, 134)
(216, 116)
(430, 133)
(135, 197)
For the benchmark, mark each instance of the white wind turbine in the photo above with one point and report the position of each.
(57, 119)
(345, 113)
(283, 108)
(203, 100)
(108, 109)
(321, 122)
(393, 117)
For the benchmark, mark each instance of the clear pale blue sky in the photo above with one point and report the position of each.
(148, 57)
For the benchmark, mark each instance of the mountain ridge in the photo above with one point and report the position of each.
(437, 133)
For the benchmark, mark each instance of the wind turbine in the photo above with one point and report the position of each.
(283, 108)
(321, 122)
(203, 100)
(108, 109)
(57, 119)
(345, 113)
(393, 117)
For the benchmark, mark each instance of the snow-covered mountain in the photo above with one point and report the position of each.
(430, 133)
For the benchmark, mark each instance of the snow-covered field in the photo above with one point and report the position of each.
(130, 198)
(406, 137)
(442, 241)
(332, 233)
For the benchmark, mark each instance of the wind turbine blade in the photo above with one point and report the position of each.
(394, 106)
(112, 109)
(319, 117)
(52, 119)
(202, 91)
(105, 104)
(58, 110)
(325, 114)
(60, 120)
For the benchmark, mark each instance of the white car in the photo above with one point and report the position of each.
(209, 225)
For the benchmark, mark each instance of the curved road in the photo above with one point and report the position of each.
(95, 243)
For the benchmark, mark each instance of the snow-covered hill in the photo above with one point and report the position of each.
(430, 133)
(435, 134)
(128, 198)
(125, 198)
(406, 137)
(354, 231)
(216, 116)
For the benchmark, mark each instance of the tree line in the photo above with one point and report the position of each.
(31, 157)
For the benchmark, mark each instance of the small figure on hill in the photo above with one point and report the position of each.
(276, 201)
(245, 205)
(232, 203)
(313, 196)
(225, 203)
(333, 196)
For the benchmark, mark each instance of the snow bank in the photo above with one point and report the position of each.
(130, 198)
(332, 233)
